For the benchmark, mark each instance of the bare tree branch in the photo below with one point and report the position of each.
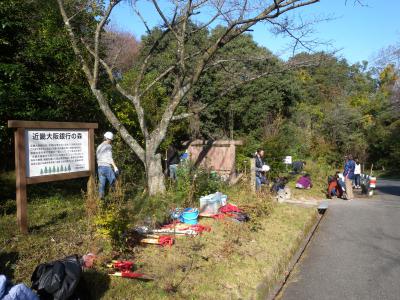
(78, 12)
(146, 61)
(141, 18)
(159, 77)
(74, 42)
(189, 114)
(166, 22)
(134, 99)
(98, 31)
(98, 94)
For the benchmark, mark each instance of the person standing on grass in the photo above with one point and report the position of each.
(105, 163)
(357, 174)
(172, 161)
(260, 177)
(348, 174)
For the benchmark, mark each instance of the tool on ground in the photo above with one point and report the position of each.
(159, 240)
(182, 228)
(123, 268)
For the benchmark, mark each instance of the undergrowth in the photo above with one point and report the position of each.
(229, 261)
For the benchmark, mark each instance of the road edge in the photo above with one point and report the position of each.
(277, 288)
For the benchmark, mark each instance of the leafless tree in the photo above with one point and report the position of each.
(121, 49)
(236, 17)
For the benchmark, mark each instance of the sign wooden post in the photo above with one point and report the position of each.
(20, 174)
(92, 166)
(50, 151)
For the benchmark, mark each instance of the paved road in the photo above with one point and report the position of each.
(355, 253)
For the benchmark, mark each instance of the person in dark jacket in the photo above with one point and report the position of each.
(59, 279)
(172, 161)
(279, 184)
(298, 166)
(260, 173)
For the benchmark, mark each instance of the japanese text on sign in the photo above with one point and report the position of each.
(52, 152)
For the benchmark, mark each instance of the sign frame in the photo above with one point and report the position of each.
(20, 162)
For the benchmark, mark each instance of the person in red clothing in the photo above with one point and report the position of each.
(334, 187)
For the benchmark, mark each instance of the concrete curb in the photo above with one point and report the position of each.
(278, 287)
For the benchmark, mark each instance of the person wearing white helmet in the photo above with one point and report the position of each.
(105, 163)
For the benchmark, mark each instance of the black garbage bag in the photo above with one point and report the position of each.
(58, 279)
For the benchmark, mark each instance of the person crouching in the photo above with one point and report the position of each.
(304, 182)
(334, 186)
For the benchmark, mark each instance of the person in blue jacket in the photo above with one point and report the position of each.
(348, 175)
(8, 291)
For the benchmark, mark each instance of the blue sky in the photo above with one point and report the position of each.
(359, 32)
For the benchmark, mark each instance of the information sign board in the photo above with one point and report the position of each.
(50, 152)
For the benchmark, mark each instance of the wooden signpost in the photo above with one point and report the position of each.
(50, 151)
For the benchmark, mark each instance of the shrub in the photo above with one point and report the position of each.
(111, 222)
(108, 217)
(192, 183)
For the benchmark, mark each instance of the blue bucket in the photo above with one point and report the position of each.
(189, 216)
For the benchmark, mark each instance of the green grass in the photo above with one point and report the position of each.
(228, 263)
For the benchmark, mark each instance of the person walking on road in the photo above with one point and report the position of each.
(104, 162)
(357, 174)
(348, 174)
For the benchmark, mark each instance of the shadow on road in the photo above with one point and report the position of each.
(389, 189)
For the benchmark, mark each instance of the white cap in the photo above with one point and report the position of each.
(265, 168)
(109, 135)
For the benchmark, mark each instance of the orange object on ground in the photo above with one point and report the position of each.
(335, 185)
(121, 264)
(123, 269)
(165, 240)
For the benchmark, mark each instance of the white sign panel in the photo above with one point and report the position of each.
(287, 160)
(56, 151)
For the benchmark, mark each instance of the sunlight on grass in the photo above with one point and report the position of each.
(233, 261)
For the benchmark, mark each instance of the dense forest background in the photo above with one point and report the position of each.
(319, 111)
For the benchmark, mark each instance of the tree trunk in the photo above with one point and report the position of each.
(155, 176)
